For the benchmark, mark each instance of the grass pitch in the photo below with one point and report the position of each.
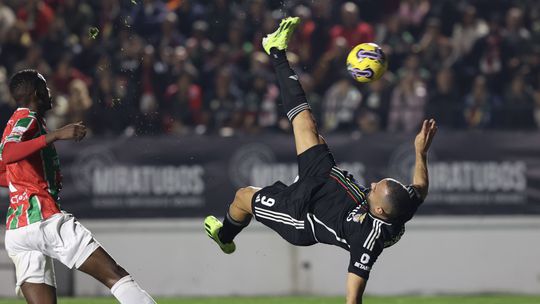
(495, 299)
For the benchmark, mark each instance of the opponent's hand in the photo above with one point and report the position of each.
(75, 131)
(425, 136)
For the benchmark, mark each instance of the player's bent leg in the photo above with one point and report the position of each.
(240, 209)
(237, 218)
(38, 293)
(104, 268)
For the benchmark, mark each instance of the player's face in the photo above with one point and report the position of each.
(45, 102)
(44, 94)
(378, 192)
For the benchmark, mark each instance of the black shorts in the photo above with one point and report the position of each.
(284, 208)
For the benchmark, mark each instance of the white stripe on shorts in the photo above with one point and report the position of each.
(279, 217)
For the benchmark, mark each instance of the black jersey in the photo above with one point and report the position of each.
(326, 205)
(341, 217)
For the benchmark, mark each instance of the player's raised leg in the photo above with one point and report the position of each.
(237, 218)
(104, 268)
(293, 96)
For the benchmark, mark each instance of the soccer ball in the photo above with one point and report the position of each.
(366, 62)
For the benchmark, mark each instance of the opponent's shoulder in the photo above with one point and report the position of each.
(22, 117)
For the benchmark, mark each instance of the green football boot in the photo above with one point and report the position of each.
(212, 226)
(280, 38)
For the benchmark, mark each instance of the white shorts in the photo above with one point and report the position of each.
(32, 248)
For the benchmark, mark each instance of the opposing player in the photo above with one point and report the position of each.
(37, 230)
(325, 205)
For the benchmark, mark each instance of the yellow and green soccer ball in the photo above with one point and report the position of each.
(366, 62)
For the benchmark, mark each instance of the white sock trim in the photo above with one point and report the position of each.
(127, 291)
(123, 280)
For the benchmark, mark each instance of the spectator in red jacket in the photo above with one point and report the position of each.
(37, 16)
(352, 28)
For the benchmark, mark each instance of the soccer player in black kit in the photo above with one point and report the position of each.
(325, 205)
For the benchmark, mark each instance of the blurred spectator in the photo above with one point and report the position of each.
(412, 65)
(220, 14)
(340, 104)
(491, 56)
(352, 28)
(412, 14)
(109, 113)
(170, 36)
(395, 41)
(7, 20)
(7, 104)
(34, 60)
(331, 66)
(407, 104)
(147, 18)
(56, 39)
(444, 103)
(12, 50)
(480, 105)
(261, 108)
(372, 115)
(190, 66)
(64, 74)
(535, 80)
(224, 101)
(467, 31)
(434, 47)
(184, 105)
(79, 100)
(36, 16)
(517, 110)
(77, 15)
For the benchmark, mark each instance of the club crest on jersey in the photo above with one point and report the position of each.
(359, 218)
(355, 216)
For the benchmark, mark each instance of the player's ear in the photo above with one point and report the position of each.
(379, 211)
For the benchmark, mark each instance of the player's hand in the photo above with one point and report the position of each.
(75, 131)
(425, 136)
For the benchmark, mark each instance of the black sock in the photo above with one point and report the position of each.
(231, 228)
(292, 94)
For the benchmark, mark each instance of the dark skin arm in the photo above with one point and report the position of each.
(75, 131)
(16, 151)
(422, 143)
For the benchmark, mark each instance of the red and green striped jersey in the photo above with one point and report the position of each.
(35, 181)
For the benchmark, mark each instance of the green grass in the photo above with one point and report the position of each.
(495, 299)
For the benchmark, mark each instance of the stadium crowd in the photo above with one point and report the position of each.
(186, 66)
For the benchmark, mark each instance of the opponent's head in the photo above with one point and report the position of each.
(29, 89)
(392, 201)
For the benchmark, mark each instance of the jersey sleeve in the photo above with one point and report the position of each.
(3, 177)
(365, 249)
(19, 143)
(22, 130)
(414, 195)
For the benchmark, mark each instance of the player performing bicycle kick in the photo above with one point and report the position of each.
(325, 205)
(37, 230)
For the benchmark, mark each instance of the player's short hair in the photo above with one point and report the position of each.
(403, 202)
(24, 84)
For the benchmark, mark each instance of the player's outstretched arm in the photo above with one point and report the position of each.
(16, 150)
(355, 288)
(75, 131)
(421, 146)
